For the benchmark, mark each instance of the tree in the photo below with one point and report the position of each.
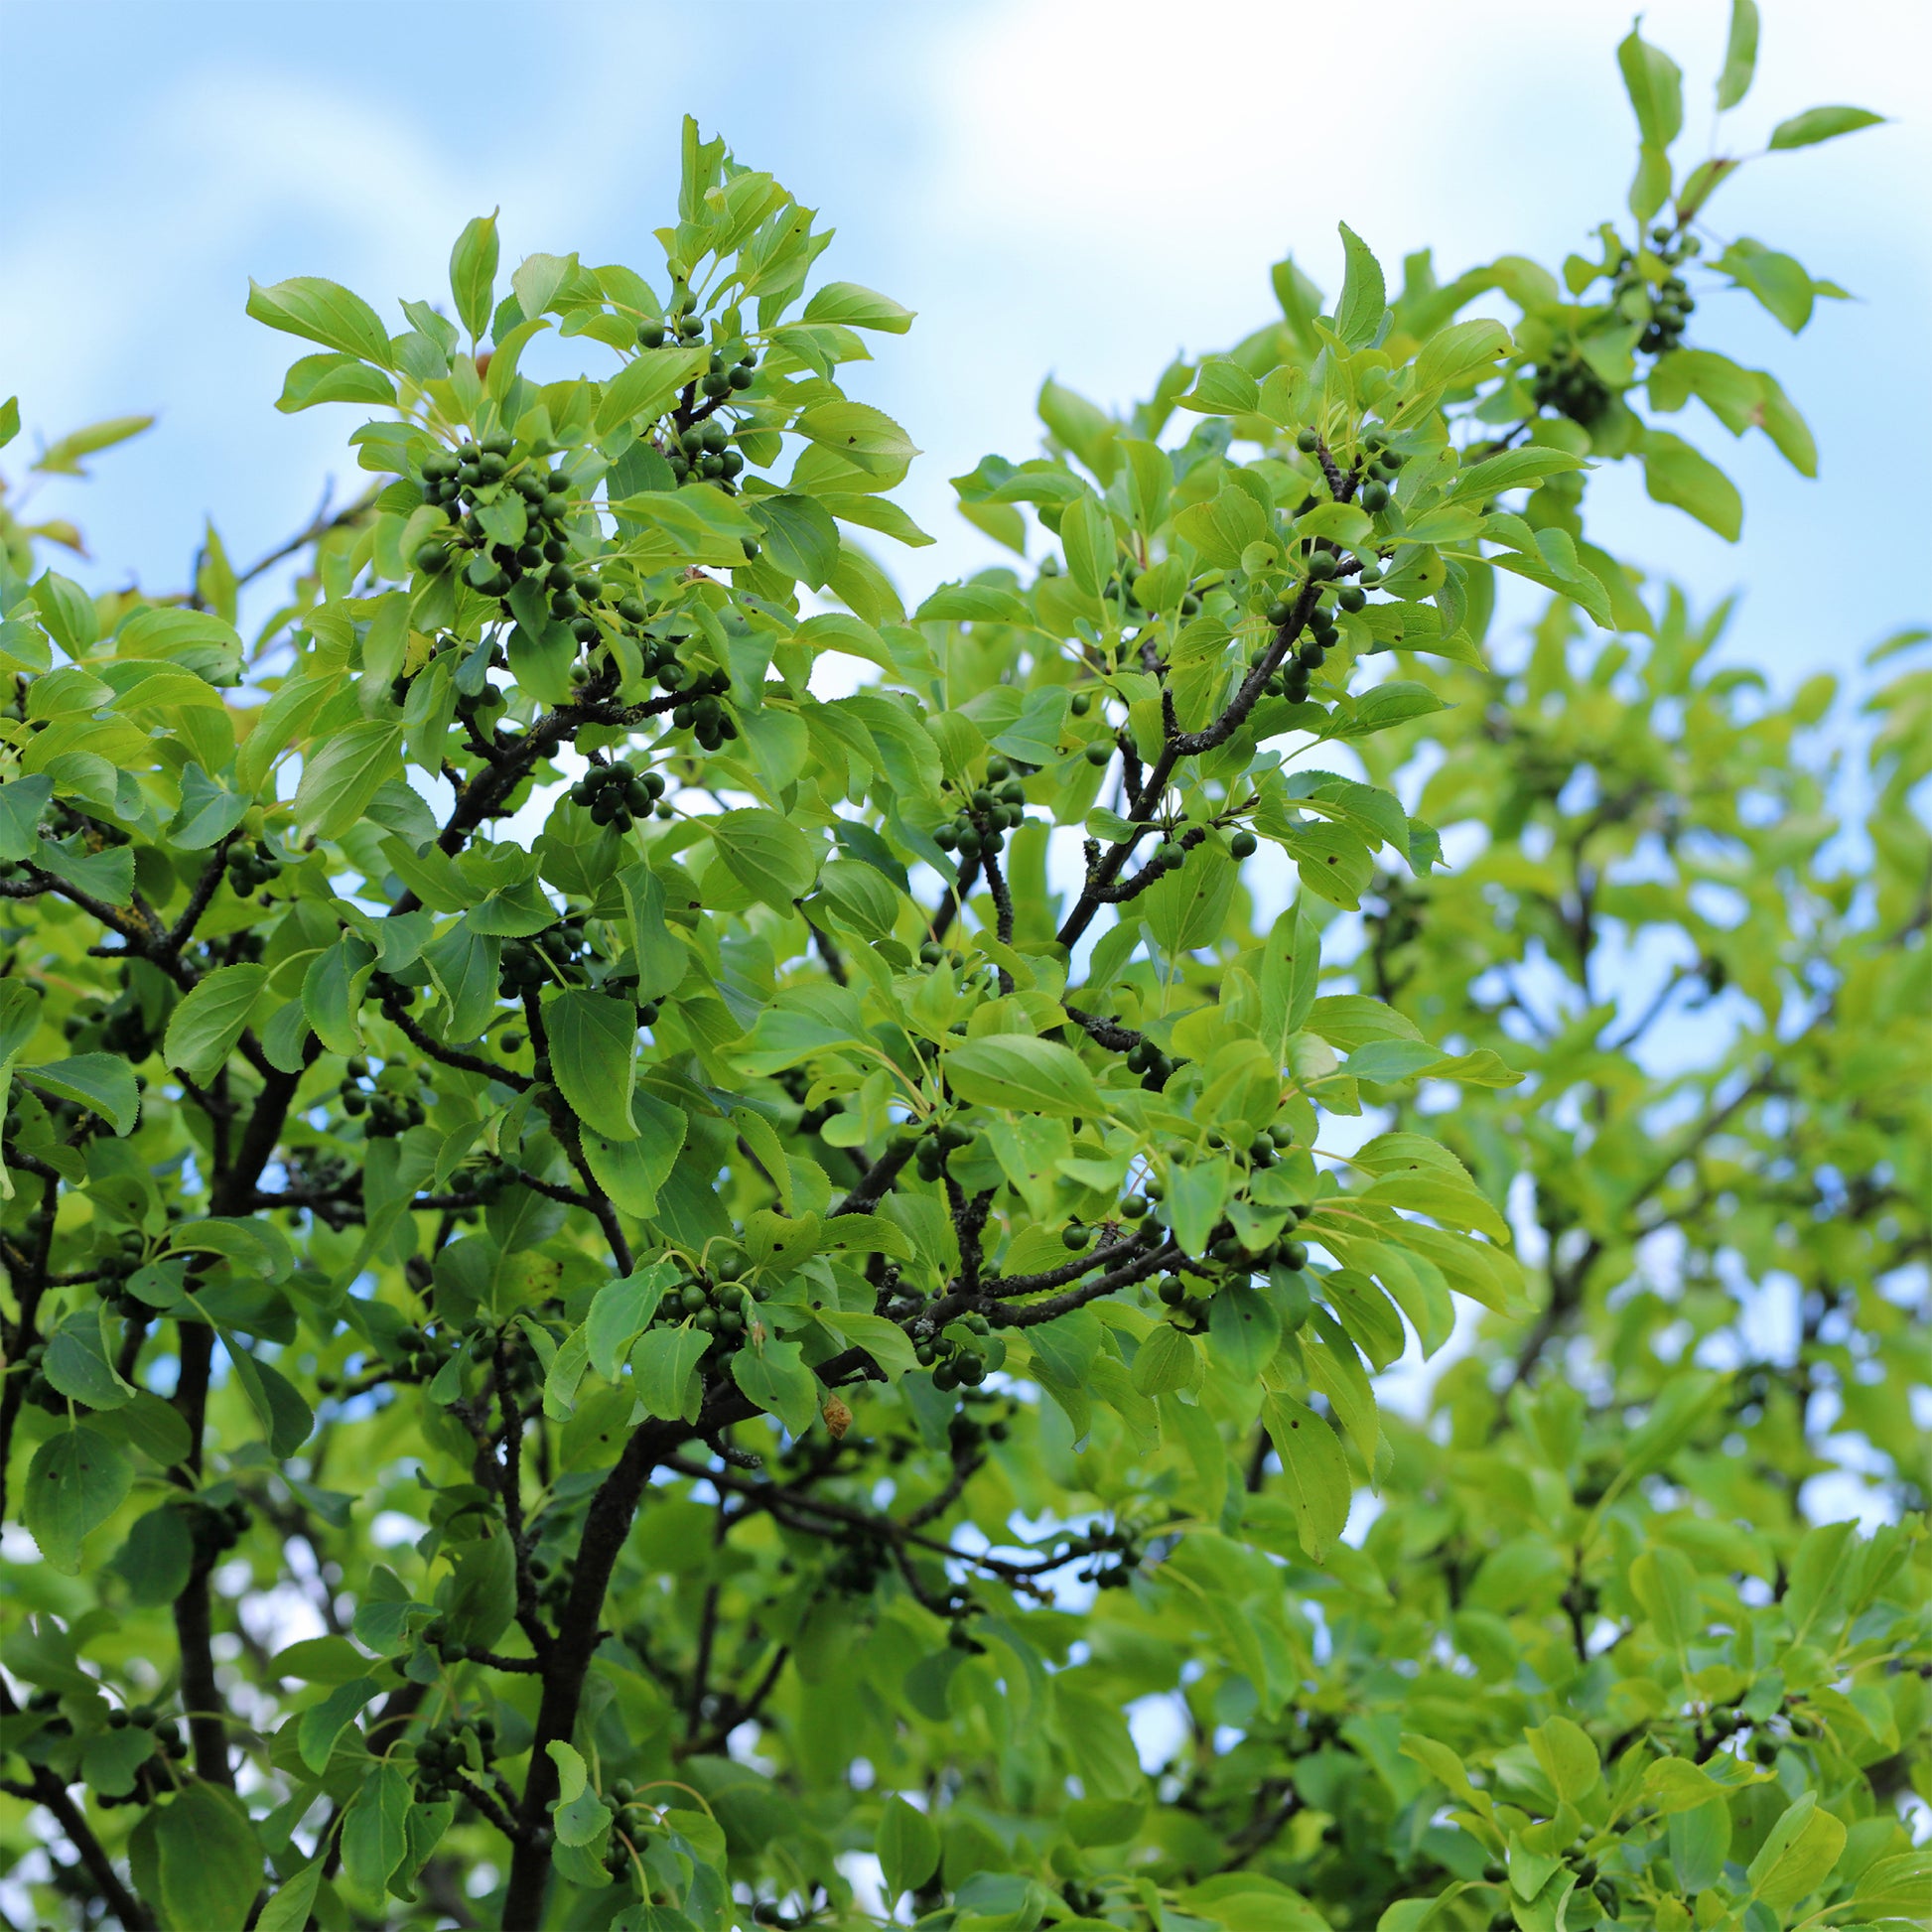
(623, 1290)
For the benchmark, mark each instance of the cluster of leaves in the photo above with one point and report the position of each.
(843, 1307)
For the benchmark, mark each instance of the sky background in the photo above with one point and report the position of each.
(1059, 186)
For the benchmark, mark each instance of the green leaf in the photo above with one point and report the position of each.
(798, 537)
(647, 385)
(211, 1862)
(289, 1908)
(285, 1416)
(76, 1363)
(208, 811)
(332, 992)
(321, 1724)
(537, 280)
(1166, 1360)
(1700, 1843)
(864, 437)
(206, 1024)
(1798, 1854)
(465, 964)
(661, 1367)
(577, 1812)
(1315, 1470)
(375, 1828)
(593, 1056)
(157, 1558)
(9, 420)
(1817, 124)
(103, 1084)
(620, 1311)
(1741, 55)
(62, 456)
(1462, 353)
(334, 377)
(1512, 469)
(1021, 1073)
(473, 273)
(776, 1379)
(1222, 387)
(481, 1600)
(858, 308)
(885, 1341)
(1655, 85)
(907, 1847)
(1364, 294)
(324, 313)
(1897, 1887)
(76, 1482)
(1779, 283)
(21, 801)
(768, 855)
(1676, 474)
(341, 776)
(1665, 1587)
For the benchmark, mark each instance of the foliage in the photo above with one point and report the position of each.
(630, 1285)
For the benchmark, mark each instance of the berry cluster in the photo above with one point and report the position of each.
(547, 956)
(959, 1361)
(1098, 1545)
(990, 813)
(1153, 1065)
(1666, 313)
(704, 450)
(714, 1306)
(553, 1585)
(1263, 1150)
(38, 1390)
(1566, 382)
(214, 1529)
(614, 794)
(700, 713)
(1379, 472)
(122, 1255)
(489, 1178)
(392, 1110)
(422, 1355)
(252, 864)
(441, 1756)
(938, 1144)
(120, 1029)
(456, 484)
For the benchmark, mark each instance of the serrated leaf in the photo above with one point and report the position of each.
(103, 1084)
(1021, 1073)
(1365, 293)
(206, 1024)
(1314, 1469)
(325, 313)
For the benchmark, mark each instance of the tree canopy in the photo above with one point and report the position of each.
(656, 1283)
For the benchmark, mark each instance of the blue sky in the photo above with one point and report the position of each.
(1054, 184)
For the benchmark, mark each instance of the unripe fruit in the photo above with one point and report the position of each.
(1307, 442)
(1099, 753)
(1242, 845)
